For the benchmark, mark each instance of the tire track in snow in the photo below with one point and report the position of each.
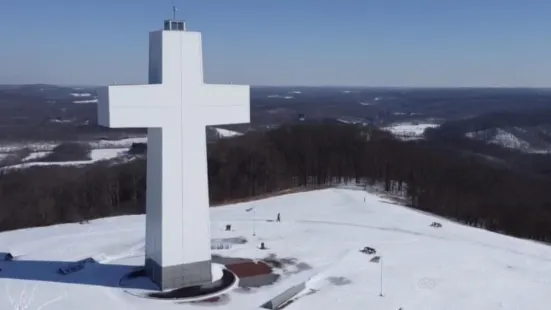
(24, 301)
(54, 300)
(404, 231)
(456, 239)
(389, 229)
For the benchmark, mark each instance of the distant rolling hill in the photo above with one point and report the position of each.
(527, 131)
(529, 139)
(47, 92)
(52, 112)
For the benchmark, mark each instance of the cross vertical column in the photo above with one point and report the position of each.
(175, 107)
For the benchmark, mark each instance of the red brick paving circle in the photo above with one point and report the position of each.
(249, 269)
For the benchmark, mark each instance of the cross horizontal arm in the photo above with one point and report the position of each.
(226, 104)
(133, 106)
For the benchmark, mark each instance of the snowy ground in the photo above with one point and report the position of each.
(123, 143)
(95, 156)
(85, 101)
(100, 144)
(408, 131)
(225, 133)
(101, 150)
(84, 98)
(281, 96)
(453, 267)
(48, 146)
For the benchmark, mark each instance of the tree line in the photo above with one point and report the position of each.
(432, 177)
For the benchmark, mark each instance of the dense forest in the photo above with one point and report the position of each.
(432, 178)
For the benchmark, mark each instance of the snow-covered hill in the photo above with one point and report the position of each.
(452, 267)
(531, 139)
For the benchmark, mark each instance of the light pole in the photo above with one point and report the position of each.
(254, 218)
(381, 281)
(254, 221)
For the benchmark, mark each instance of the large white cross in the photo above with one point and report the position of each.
(175, 107)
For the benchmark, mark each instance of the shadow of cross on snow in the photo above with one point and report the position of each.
(107, 275)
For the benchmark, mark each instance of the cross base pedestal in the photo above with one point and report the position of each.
(179, 276)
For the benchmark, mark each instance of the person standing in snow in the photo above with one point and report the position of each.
(278, 217)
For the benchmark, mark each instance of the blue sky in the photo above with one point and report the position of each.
(285, 42)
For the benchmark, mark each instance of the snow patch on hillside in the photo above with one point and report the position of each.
(371, 102)
(106, 154)
(62, 121)
(509, 140)
(225, 133)
(96, 155)
(279, 96)
(409, 131)
(118, 143)
(81, 94)
(50, 145)
(35, 155)
(352, 120)
(503, 138)
(85, 101)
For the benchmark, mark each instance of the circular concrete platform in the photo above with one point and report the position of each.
(137, 284)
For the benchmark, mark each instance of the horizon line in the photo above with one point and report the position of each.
(318, 86)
